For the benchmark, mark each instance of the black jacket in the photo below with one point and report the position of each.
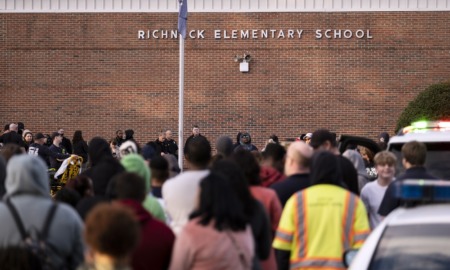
(103, 165)
(81, 149)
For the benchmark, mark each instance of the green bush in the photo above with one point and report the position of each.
(431, 104)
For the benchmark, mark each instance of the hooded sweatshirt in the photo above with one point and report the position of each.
(358, 163)
(155, 248)
(28, 189)
(246, 146)
(136, 164)
(103, 165)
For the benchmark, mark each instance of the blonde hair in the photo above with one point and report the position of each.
(385, 157)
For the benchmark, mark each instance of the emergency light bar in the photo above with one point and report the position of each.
(423, 190)
(422, 126)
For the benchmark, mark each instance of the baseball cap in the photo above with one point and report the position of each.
(307, 136)
(320, 136)
(39, 135)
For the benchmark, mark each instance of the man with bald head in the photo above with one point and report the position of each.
(13, 137)
(296, 168)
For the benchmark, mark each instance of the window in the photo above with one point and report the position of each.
(421, 246)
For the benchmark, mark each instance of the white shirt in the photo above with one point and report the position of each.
(180, 196)
(372, 194)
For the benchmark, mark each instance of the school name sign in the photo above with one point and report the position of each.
(259, 34)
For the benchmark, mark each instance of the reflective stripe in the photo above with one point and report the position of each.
(317, 263)
(361, 236)
(301, 224)
(284, 236)
(348, 219)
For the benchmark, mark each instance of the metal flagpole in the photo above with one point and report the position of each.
(182, 24)
(181, 106)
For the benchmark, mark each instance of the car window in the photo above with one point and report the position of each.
(424, 246)
(437, 162)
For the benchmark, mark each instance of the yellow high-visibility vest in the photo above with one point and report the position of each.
(318, 224)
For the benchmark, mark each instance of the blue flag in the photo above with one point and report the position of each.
(182, 18)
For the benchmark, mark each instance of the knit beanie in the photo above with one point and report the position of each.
(135, 163)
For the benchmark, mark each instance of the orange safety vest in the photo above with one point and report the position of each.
(318, 224)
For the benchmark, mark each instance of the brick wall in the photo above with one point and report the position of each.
(90, 72)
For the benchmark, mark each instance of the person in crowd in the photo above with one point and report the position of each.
(195, 134)
(170, 144)
(119, 138)
(248, 164)
(5, 129)
(159, 168)
(245, 143)
(272, 139)
(358, 162)
(238, 140)
(135, 163)
(38, 148)
(414, 156)
(296, 168)
(307, 138)
(383, 140)
(368, 156)
(224, 146)
(218, 218)
(9, 150)
(114, 148)
(57, 148)
(80, 147)
(155, 246)
(103, 165)
(83, 185)
(2, 176)
(320, 214)
(148, 153)
(179, 202)
(21, 128)
(373, 192)
(323, 139)
(272, 164)
(28, 192)
(65, 143)
(12, 136)
(112, 233)
(129, 133)
(174, 168)
(253, 210)
(69, 196)
(128, 147)
(28, 139)
(160, 143)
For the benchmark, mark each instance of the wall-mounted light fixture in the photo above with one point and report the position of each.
(243, 60)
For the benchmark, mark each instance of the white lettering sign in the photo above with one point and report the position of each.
(291, 34)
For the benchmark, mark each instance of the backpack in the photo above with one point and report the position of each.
(39, 247)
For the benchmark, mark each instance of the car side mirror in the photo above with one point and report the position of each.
(348, 256)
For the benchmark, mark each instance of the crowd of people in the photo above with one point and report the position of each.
(298, 205)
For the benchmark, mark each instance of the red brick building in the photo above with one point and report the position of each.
(85, 66)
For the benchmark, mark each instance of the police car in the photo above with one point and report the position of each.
(414, 237)
(436, 136)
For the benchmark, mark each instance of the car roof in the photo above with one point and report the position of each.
(426, 136)
(423, 214)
